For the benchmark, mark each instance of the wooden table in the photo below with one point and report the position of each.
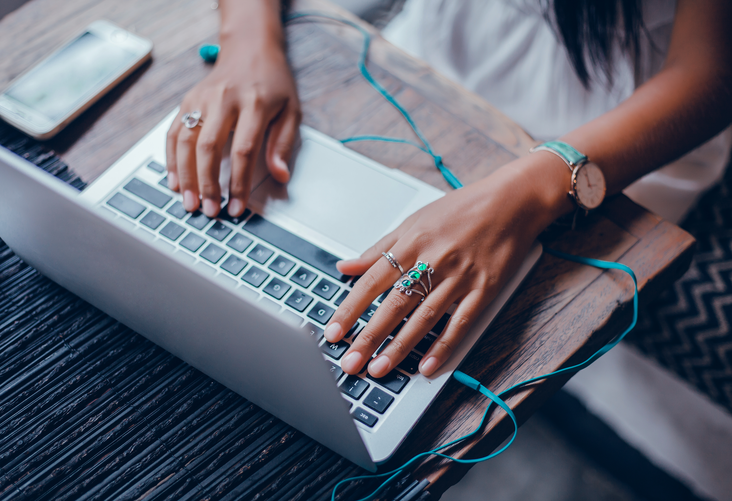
(563, 312)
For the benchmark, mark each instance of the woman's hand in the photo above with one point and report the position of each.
(250, 89)
(474, 238)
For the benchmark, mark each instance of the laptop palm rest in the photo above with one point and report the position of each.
(276, 366)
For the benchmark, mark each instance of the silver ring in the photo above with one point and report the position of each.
(192, 119)
(414, 276)
(393, 261)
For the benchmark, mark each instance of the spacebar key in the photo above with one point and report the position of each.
(301, 249)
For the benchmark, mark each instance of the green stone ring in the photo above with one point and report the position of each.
(414, 276)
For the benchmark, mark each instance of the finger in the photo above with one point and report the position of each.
(280, 144)
(211, 141)
(185, 154)
(362, 294)
(420, 322)
(245, 148)
(374, 282)
(387, 317)
(460, 321)
(361, 264)
(171, 141)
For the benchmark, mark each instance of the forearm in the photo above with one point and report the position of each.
(251, 21)
(685, 104)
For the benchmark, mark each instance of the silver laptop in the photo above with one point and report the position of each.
(245, 299)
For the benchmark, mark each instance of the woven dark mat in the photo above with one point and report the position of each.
(687, 329)
(91, 410)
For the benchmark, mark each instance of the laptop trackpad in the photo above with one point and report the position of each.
(337, 196)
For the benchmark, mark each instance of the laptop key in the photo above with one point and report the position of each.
(192, 242)
(336, 371)
(212, 253)
(326, 289)
(148, 193)
(440, 326)
(378, 400)
(354, 387)
(164, 182)
(366, 315)
(281, 265)
(239, 242)
(233, 265)
(255, 276)
(341, 298)
(314, 330)
(383, 296)
(410, 364)
(321, 313)
(219, 231)
(224, 214)
(276, 288)
(303, 277)
(126, 205)
(425, 344)
(298, 300)
(177, 210)
(394, 381)
(198, 220)
(260, 253)
(156, 166)
(292, 244)
(152, 220)
(334, 350)
(172, 231)
(365, 417)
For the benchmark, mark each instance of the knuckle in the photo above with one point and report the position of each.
(244, 151)
(254, 99)
(398, 347)
(442, 347)
(369, 339)
(396, 303)
(208, 187)
(426, 314)
(187, 140)
(368, 283)
(345, 310)
(459, 323)
(206, 145)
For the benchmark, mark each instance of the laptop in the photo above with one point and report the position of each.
(244, 300)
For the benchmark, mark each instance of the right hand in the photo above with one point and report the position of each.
(250, 89)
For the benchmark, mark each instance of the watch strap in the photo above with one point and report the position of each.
(571, 157)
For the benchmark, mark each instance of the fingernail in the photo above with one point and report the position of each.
(189, 201)
(380, 366)
(235, 207)
(429, 366)
(333, 332)
(210, 208)
(172, 180)
(281, 163)
(352, 362)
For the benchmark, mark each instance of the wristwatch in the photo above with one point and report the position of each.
(587, 187)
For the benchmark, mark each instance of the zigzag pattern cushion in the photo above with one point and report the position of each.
(687, 329)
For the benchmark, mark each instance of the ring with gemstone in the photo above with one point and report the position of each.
(393, 261)
(192, 119)
(413, 277)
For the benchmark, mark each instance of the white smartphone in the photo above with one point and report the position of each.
(42, 101)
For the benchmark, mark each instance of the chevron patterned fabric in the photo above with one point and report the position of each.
(687, 329)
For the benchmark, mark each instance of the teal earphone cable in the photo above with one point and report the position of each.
(210, 53)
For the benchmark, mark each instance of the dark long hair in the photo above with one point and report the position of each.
(590, 30)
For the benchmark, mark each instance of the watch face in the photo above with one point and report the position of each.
(589, 186)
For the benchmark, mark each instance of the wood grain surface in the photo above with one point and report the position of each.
(561, 314)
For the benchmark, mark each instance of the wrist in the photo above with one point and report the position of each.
(256, 23)
(539, 182)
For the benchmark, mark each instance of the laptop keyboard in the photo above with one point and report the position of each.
(287, 275)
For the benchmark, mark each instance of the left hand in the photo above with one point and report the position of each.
(475, 238)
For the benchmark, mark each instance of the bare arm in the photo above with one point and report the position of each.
(476, 237)
(250, 90)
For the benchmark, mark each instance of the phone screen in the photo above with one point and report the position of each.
(63, 82)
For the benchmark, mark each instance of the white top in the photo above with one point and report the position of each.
(505, 51)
